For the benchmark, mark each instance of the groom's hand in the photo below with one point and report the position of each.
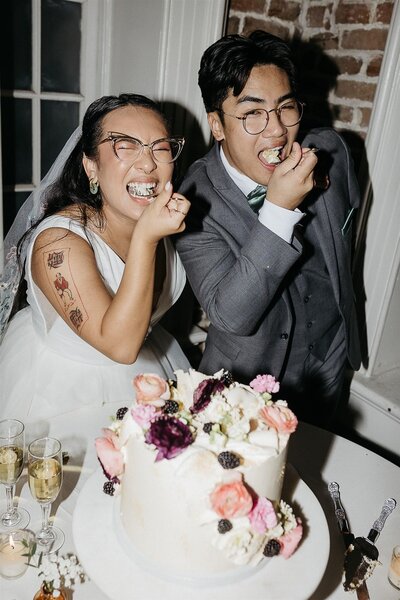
(293, 178)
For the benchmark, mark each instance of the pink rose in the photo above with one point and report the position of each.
(151, 389)
(290, 540)
(263, 516)
(265, 383)
(144, 414)
(109, 455)
(230, 500)
(279, 417)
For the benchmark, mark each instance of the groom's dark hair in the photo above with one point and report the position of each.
(226, 65)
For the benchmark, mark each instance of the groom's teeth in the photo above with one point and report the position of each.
(272, 155)
(141, 189)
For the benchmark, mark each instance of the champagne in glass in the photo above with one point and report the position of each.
(45, 479)
(12, 433)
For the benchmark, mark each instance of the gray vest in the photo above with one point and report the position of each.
(316, 312)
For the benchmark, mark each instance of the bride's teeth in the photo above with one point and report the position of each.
(272, 155)
(141, 189)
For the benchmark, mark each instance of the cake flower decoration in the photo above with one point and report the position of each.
(265, 383)
(144, 414)
(151, 389)
(169, 435)
(203, 392)
(231, 500)
(263, 515)
(279, 417)
(290, 540)
(109, 455)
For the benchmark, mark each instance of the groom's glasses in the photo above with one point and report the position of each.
(255, 121)
(129, 149)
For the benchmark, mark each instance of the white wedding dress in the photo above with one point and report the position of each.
(48, 371)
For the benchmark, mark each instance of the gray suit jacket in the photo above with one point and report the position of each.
(241, 272)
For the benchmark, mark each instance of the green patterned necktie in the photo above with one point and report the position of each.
(256, 198)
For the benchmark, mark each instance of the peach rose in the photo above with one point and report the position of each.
(109, 455)
(279, 417)
(151, 389)
(230, 500)
(291, 540)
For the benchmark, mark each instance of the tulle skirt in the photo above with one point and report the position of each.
(37, 383)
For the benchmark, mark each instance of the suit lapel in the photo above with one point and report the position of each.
(228, 191)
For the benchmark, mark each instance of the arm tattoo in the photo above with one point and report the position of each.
(60, 277)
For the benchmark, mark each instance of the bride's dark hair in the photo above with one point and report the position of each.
(71, 188)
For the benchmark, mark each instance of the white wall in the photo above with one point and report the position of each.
(375, 391)
(156, 47)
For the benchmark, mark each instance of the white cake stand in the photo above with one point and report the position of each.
(103, 554)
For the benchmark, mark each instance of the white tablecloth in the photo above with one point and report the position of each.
(365, 480)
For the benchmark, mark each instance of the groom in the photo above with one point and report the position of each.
(266, 249)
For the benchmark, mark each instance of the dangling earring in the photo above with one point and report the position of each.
(93, 186)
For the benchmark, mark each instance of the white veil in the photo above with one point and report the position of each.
(28, 214)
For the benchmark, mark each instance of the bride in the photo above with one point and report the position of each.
(99, 268)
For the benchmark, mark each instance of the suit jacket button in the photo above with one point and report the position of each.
(284, 336)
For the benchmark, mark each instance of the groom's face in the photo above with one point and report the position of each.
(267, 88)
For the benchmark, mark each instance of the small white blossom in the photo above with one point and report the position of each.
(60, 571)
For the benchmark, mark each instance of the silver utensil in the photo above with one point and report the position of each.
(362, 555)
(340, 514)
(348, 537)
(368, 543)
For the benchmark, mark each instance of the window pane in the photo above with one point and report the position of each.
(16, 140)
(57, 121)
(12, 202)
(16, 45)
(61, 46)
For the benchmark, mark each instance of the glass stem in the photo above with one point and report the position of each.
(10, 490)
(45, 516)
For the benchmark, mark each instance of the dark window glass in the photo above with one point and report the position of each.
(16, 45)
(12, 202)
(16, 140)
(61, 46)
(57, 121)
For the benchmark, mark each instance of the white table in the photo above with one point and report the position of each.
(365, 480)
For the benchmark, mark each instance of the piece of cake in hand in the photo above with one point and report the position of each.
(203, 467)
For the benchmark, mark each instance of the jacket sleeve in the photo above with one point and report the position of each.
(237, 272)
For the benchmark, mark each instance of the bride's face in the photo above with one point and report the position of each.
(129, 182)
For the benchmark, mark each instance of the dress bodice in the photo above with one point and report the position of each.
(52, 328)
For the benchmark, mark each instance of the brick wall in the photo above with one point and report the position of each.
(339, 46)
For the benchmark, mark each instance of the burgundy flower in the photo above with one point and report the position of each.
(170, 436)
(202, 394)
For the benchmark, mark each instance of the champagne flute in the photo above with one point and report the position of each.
(45, 479)
(12, 434)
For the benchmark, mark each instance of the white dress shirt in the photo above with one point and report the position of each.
(277, 219)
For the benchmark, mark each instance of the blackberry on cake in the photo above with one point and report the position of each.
(121, 412)
(171, 407)
(228, 460)
(108, 488)
(272, 548)
(224, 525)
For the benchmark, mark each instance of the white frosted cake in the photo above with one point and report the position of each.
(198, 465)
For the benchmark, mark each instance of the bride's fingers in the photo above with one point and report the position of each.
(178, 204)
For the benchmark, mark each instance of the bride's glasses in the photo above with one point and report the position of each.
(45, 479)
(128, 149)
(12, 434)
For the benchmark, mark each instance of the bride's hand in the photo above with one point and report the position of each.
(165, 216)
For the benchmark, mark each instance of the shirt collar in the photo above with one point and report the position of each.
(244, 183)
